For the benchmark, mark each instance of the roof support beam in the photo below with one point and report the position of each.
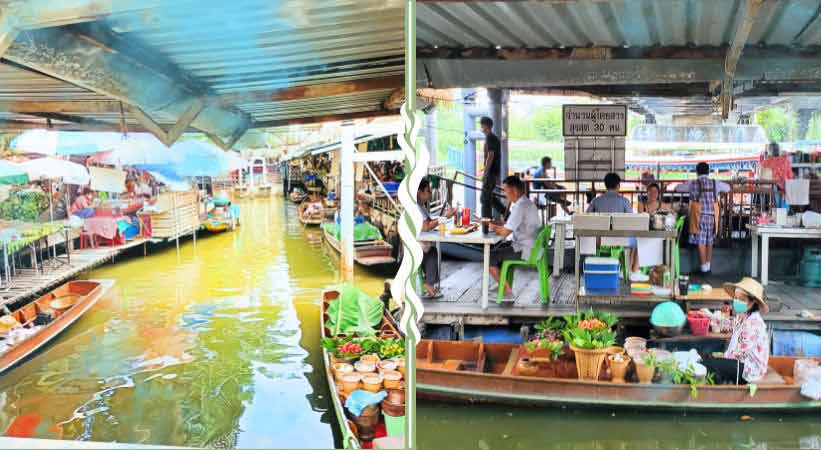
(104, 63)
(227, 145)
(96, 125)
(60, 107)
(7, 32)
(394, 102)
(326, 118)
(313, 91)
(742, 33)
(452, 73)
(33, 14)
(169, 137)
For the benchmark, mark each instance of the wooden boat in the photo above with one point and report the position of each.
(216, 225)
(366, 253)
(485, 372)
(350, 435)
(68, 303)
(310, 220)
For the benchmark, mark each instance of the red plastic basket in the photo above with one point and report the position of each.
(699, 325)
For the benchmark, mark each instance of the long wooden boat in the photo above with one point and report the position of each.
(314, 219)
(80, 295)
(366, 253)
(350, 434)
(487, 372)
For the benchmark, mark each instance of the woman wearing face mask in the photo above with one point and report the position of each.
(745, 360)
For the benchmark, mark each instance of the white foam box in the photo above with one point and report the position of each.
(591, 221)
(631, 221)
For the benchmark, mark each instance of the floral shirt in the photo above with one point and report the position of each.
(750, 345)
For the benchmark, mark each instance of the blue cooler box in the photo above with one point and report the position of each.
(601, 274)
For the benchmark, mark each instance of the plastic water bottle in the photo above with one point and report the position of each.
(458, 213)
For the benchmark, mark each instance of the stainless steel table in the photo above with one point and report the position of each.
(766, 232)
(475, 237)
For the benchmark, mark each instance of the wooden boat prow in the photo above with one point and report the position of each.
(366, 253)
(88, 292)
(486, 372)
(350, 435)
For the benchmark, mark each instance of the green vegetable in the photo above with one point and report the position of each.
(354, 312)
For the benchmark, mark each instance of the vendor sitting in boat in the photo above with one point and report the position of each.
(748, 353)
(520, 229)
(430, 259)
(316, 206)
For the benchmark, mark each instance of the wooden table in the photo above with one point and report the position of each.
(767, 232)
(475, 237)
(669, 237)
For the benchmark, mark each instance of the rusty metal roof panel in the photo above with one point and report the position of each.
(256, 44)
(338, 104)
(613, 23)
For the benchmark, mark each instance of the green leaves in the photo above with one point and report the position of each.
(354, 312)
(590, 339)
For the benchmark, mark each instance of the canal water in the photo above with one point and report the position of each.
(484, 427)
(216, 347)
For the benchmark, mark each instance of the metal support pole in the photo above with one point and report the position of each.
(347, 201)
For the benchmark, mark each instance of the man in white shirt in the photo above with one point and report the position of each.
(520, 230)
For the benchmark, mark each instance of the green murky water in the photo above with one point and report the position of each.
(458, 427)
(215, 347)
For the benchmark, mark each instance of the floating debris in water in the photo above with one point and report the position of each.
(23, 426)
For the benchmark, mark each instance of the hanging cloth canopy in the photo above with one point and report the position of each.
(53, 168)
(65, 143)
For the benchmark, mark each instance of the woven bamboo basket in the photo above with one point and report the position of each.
(588, 362)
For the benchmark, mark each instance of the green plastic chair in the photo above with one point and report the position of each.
(541, 265)
(676, 256)
(618, 253)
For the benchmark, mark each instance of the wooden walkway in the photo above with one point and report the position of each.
(28, 283)
(461, 289)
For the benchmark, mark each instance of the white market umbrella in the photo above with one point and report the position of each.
(138, 149)
(64, 143)
(53, 168)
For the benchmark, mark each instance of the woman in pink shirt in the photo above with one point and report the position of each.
(748, 353)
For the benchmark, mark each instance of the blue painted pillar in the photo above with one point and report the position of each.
(469, 125)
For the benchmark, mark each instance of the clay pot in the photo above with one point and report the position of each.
(614, 349)
(365, 366)
(386, 365)
(372, 382)
(645, 372)
(395, 396)
(393, 409)
(618, 368)
(525, 367)
(341, 369)
(370, 358)
(391, 379)
(366, 422)
(350, 382)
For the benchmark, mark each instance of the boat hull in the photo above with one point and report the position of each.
(90, 291)
(365, 254)
(465, 386)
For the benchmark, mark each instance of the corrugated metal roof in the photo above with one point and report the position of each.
(243, 46)
(612, 23)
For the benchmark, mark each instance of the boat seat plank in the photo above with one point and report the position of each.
(511, 362)
(482, 359)
(452, 364)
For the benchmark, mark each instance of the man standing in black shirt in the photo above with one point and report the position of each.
(493, 169)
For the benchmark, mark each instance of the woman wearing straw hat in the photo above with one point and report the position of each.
(745, 360)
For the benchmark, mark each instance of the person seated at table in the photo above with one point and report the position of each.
(520, 230)
(430, 258)
(613, 202)
(748, 353)
(82, 205)
(542, 172)
(653, 202)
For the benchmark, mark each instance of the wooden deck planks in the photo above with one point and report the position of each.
(29, 282)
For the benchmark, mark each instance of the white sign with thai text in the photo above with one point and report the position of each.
(594, 120)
